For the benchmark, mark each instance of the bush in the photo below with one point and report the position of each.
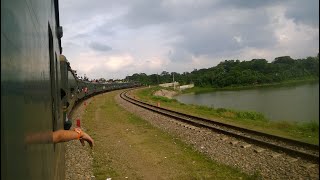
(309, 127)
(250, 115)
(221, 110)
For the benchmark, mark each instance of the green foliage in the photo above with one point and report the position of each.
(231, 73)
(308, 130)
(251, 116)
(162, 99)
(309, 127)
(257, 175)
(243, 115)
(221, 110)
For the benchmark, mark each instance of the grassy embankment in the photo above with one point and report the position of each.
(127, 146)
(307, 132)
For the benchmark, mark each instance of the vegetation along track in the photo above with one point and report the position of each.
(291, 147)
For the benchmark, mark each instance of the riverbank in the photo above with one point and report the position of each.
(280, 84)
(166, 93)
(307, 132)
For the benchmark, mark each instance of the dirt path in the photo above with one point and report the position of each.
(128, 147)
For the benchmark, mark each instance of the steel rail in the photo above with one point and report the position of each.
(202, 122)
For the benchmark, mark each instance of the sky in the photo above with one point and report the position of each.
(114, 39)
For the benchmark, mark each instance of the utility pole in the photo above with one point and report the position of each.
(158, 78)
(174, 87)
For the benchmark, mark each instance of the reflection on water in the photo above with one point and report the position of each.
(293, 103)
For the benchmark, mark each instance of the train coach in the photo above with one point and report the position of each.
(38, 90)
(73, 90)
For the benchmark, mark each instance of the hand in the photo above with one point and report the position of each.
(86, 137)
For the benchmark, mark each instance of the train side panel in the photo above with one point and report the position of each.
(30, 104)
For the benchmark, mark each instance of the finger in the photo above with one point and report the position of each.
(87, 138)
(82, 142)
(90, 141)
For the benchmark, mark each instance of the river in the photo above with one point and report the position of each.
(290, 103)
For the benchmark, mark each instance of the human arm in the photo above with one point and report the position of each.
(67, 135)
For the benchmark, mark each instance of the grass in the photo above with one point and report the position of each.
(128, 146)
(306, 131)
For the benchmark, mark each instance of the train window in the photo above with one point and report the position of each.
(52, 80)
(62, 93)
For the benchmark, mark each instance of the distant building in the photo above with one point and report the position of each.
(186, 86)
(118, 81)
(176, 84)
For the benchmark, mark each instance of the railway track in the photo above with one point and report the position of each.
(297, 149)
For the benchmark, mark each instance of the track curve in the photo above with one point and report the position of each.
(291, 147)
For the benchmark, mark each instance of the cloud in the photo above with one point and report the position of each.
(248, 4)
(99, 46)
(215, 35)
(126, 37)
(304, 12)
(116, 63)
(180, 55)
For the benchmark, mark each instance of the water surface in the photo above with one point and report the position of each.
(291, 103)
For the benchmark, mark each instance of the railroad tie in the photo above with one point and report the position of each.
(275, 155)
(234, 142)
(290, 159)
(224, 138)
(258, 150)
(309, 165)
(245, 145)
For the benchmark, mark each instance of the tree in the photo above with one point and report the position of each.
(283, 60)
(103, 80)
(236, 73)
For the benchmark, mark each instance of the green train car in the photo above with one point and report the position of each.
(38, 90)
(30, 103)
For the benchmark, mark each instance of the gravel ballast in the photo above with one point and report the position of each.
(230, 151)
(78, 158)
